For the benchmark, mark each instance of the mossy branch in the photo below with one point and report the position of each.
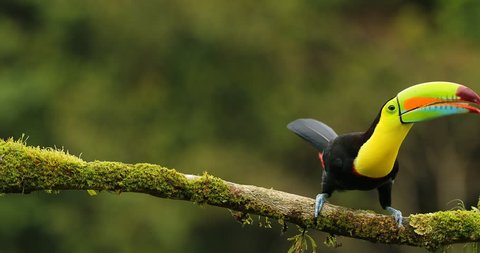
(24, 169)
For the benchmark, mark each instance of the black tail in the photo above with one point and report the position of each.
(313, 131)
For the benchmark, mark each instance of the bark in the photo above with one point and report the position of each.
(24, 169)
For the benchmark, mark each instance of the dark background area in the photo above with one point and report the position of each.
(210, 86)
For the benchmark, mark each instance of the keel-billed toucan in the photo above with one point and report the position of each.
(368, 160)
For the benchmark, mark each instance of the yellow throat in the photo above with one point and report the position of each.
(377, 155)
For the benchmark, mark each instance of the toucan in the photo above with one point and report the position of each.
(368, 160)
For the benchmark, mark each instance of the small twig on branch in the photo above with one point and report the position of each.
(24, 169)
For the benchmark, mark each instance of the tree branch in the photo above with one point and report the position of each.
(24, 169)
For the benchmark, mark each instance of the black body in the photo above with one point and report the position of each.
(338, 154)
(339, 172)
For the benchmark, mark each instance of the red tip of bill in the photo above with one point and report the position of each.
(468, 95)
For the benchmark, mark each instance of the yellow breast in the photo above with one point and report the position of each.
(377, 156)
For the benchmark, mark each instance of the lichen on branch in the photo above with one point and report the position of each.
(24, 169)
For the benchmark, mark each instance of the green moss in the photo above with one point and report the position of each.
(211, 190)
(25, 169)
(457, 225)
(32, 168)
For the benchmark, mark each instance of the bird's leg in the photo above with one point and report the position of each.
(319, 201)
(397, 215)
(385, 197)
(327, 190)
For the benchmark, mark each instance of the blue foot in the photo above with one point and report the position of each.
(397, 215)
(319, 201)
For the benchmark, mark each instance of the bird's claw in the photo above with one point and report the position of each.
(397, 215)
(319, 201)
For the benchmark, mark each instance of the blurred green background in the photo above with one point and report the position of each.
(210, 86)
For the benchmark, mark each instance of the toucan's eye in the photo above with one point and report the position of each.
(391, 108)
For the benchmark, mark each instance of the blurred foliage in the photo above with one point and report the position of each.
(210, 85)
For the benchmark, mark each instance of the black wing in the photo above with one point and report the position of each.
(313, 131)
